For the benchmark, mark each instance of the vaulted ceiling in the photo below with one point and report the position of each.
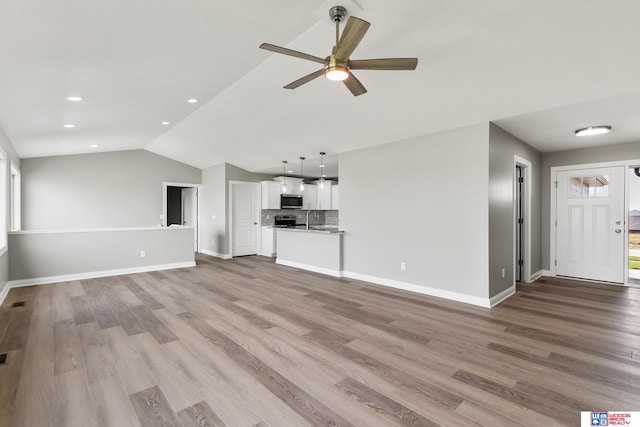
(539, 69)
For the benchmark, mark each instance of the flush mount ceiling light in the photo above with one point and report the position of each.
(192, 100)
(69, 126)
(593, 130)
(74, 98)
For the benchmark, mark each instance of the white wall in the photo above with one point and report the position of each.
(422, 201)
(12, 156)
(114, 189)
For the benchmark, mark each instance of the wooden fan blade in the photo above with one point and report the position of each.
(290, 52)
(305, 79)
(384, 64)
(354, 85)
(353, 33)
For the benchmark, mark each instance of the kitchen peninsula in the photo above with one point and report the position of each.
(317, 249)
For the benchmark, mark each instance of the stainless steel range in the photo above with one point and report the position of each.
(283, 221)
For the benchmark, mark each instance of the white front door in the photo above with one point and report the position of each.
(590, 224)
(245, 222)
(190, 211)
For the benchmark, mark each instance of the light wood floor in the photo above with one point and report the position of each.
(245, 342)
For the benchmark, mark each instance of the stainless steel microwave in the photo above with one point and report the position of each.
(290, 201)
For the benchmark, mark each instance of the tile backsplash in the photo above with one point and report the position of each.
(315, 217)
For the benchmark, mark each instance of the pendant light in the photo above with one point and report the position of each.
(284, 176)
(301, 175)
(322, 174)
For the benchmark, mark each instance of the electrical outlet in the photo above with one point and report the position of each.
(504, 271)
(403, 266)
(143, 253)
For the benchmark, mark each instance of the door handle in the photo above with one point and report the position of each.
(618, 230)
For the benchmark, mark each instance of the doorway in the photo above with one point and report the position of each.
(590, 223)
(181, 207)
(244, 212)
(522, 219)
(633, 222)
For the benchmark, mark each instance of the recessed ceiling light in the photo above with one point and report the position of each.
(192, 100)
(324, 175)
(289, 171)
(321, 166)
(94, 145)
(74, 98)
(593, 130)
(69, 125)
(165, 123)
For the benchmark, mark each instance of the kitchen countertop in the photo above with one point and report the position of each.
(325, 229)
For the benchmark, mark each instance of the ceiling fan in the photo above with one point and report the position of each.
(338, 65)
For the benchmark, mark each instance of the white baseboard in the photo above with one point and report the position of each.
(497, 299)
(215, 254)
(546, 273)
(535, 276)
(315, 269)
(96, 274)
(425, 290)
(4, 292)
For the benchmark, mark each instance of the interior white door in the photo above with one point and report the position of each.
(190, 212)
(245, 222)
(590, 224)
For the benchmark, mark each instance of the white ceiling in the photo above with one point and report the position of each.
(539, 69)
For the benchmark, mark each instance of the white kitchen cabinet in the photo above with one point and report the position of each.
(270, 194)
(293, 184)
(310, 197)
(335, 197)
(268, 241)
(324, 195)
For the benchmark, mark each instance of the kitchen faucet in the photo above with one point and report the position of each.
(308, 212)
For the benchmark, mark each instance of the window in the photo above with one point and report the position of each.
(3, 201)
(589, 186)
(15, 201)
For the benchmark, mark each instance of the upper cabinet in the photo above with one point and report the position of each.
(335, 197)
(270, 194)
(310, 197)
(293, 184)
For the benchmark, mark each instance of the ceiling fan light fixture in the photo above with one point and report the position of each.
(337, 73)
(593, 130)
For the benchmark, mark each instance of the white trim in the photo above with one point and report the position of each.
(215, 254)
(497, 299)
(4, 292)
(547, 273)
(98, 230)
(315, 269)
(526, 256)
(538, 274)
(95, 274)
(258, 214)
(553, 170)
(425, 290)
(199, 195)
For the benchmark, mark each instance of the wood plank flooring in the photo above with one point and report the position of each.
(245, 342)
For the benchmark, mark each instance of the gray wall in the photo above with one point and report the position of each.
(422, 201)
(502, 148)
(214, 211)
(215, 186)
(114, 189)
(46, 255)
(12, 156)
(609, 153)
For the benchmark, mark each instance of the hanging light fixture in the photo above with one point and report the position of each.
(284, 176)
(322, 174)
(301, 175)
